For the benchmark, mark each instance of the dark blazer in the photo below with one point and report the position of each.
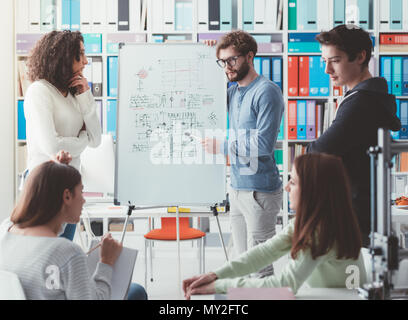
(363, 110)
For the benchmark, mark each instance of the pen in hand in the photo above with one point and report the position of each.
(94, 248)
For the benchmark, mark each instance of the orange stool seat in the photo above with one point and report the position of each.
(168, 230)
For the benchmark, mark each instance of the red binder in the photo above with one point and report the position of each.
(292, 120)
(303, 76)
(293, 76)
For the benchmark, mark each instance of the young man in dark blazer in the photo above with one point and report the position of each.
(365, 107)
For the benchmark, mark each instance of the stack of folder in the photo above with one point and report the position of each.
(395, 70)
(402, 114)
(390, 42)
(307, 77)
(262, 15)
(270, 68)
(303, 43)
(308, 15)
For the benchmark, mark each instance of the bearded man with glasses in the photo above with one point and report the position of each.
(255, 108)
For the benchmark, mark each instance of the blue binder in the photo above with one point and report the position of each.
(364, 10)
(324, 87)
(112, 76)
(111, 118)
(248, 15)
(277, 71)
(397, 76)
(65, 14)
(405, 76)
(266, 68)
(225, 14)
(404, 119)
(307, 14)
(396, 14)
(396, 134)
(92, 42)
(188, 16)
(301, 119)
(314, 74)
(258, 65)
(281, 133)
(386, 71)
(75, 15)
(339, 12)
(21, 121)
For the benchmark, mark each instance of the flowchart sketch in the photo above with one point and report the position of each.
(171, 97)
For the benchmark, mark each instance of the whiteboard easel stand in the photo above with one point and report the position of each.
(215, 213)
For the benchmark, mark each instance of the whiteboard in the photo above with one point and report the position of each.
(165, 92)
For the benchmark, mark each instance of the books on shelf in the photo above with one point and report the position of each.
(393, 15)
(395, 70)
(262, 15)
(270, 68)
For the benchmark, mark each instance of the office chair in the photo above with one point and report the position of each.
(168, 232)
(10, 288)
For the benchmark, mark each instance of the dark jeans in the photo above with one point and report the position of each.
(136, 292)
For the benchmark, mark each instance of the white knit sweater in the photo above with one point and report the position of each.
(54, 123)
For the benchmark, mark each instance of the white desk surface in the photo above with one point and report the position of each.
(305, 294)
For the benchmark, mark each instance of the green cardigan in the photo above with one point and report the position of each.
(324, 272)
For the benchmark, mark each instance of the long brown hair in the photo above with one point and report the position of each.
(42, 196)
(324, 215)
(52, 57)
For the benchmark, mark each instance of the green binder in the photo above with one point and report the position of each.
(292, 15)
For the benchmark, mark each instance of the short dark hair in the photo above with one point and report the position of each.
(350, 39)
(41, 199)
(240, 40)
(52, 57)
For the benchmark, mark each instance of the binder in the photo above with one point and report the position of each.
(48, 15)
(247, 15)
(396, 134)
(86, 16)
(168, 15)
(364, 14)
(135, 11)
(258, 65)
(301, 120)
(319, 118)
(277, 71)
(179, 16)
(303, 76)
(386, 71)
(65, 14)
(202, 15)
(405, 76)
(405, 15)
(213, 14)
(311, 120)
(111, 118)
(75, 21)
(323, 14)
(292, 120)
(324, 79)
(397, 76)
(225, 14)
(314, 74)
(123, 15)
(21, 121)
(292, 13)
(266, 68)
(23, 17)
(158, 16)
(293, 76)
(112, 76)
(259, 15)
(271, 15)
(34, 9)
(404, 119)
(112, 15)
(306, 14)
(188, 16)
(384, 15)
(339, 10)
(396, 14)
(281, 133)
(92, 43)
(97, 76)
(98, 16)
(88, 73)
(352, 12)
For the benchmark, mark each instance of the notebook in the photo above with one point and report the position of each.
(122, 270)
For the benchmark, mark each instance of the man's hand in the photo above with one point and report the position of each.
(211, 145)
(63, 157)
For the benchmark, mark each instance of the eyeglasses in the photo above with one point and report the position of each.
(232, 61)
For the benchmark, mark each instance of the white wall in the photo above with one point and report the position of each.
(7, 105)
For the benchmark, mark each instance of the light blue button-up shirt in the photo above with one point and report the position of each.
(255, 114)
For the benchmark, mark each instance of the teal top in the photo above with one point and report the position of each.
(323, 272)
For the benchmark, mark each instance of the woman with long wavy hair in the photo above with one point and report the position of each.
(323, 239)
(59, 107)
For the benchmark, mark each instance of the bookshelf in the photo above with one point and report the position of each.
(196, 29)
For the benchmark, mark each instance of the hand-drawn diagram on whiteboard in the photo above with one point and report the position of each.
(165, 92)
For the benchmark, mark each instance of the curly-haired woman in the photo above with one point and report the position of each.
(59, 107)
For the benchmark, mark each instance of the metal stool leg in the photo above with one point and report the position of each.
(200, 263)
(203, 254)
(151, 260)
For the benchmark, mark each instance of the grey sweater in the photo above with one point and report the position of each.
(52, 268)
